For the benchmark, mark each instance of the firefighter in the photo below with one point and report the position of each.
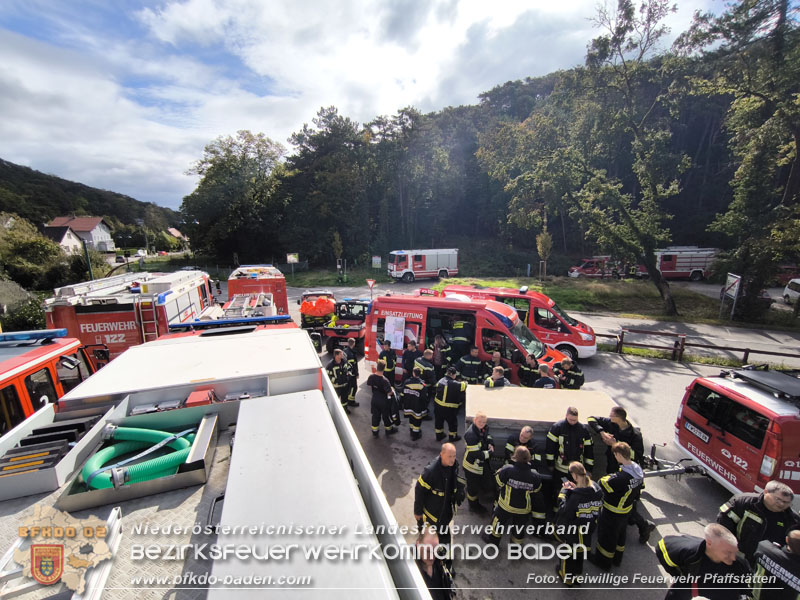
(617, 428)
(382, 393)
(425, 365)
(469, 366)
(352, 363)
(463, 334)
(579, 505)
(620, 492)
(410, 355)
(525, 438)
(442, 356)
(338, 374)
(438, 491)
(755, 517)
(449, 397)
(415, 402)
(489, 365)
(546, 380)
(388, 356)
(528, 371)
(435, 574)
(782, 564)
(703, 566)
(569, 375)
(479, 448)
(568, 441)
(519, 499)
(497, 379)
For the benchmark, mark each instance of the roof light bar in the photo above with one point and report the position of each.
(33, 335)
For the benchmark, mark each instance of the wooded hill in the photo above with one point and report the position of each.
(39, 198)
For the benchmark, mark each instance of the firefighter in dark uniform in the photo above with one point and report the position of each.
(439, 490)
(470, 366)
(525, 438)
(519, 498)
(783, 564)
(568, 441)
(497, 379)
(427, 371)
(479, 448)
(338, 372)
(755, 517)
(450, 395)
(701, 565)
(352, 363)
(528, 371)
(489, 365)
(569, 375)
(415, 402)
(617, 428)
(442, 356)
(409, 356)
(620, 492)
(462, 335)
(579, 505)
(382, 392)
(389, 357)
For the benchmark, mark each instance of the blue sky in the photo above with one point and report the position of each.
(124, 95)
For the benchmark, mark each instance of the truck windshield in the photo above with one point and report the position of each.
(528, 341)
(564, 316)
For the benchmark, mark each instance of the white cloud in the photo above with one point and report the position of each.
(129, 108)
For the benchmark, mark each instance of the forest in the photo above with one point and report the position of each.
(641, 147)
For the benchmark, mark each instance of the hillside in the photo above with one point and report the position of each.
(39, 197)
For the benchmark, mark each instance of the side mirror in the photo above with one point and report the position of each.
(298, 302)
(102, 354)
(68, 362)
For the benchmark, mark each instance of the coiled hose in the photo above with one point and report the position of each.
(133, 439)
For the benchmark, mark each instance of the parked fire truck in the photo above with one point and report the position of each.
(684, 262)
(258, 279)
(491, 326)
(408, 265)
(213, 417)
(37, 368)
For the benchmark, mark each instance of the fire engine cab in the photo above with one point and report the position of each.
(408, 265)
(743, 427)
(129, 309)
(257, 279)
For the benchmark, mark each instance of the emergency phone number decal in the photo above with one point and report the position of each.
(694, 429)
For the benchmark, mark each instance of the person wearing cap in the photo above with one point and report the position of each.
(450, 395)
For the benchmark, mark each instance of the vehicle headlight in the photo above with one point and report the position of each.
(587, 337)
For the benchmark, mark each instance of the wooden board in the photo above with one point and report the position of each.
(534, 406)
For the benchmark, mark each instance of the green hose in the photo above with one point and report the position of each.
(133, 440)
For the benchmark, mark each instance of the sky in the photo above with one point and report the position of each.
(124, 95)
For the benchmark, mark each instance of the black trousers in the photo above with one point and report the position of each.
(352, 387)
(475, 484)
(571, 567)
(381, 409)
(508, 522)
(342, 393)
(611, 532)
(442, 414)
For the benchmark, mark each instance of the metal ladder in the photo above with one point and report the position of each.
(148, 326)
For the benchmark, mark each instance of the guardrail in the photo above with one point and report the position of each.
(680, 344)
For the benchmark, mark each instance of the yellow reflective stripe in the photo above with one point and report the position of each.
(446, 404)
(616, 509)
(510, 448)
(663, 548)
(424, 483)
(508, 508)
(473, 447)
(552, 437)
(500, 483)
(604, 483)
(429, 515)
(472, 468)
(605, 552)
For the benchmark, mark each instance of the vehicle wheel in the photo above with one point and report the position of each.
(442, 274)
(331, 345)
(568, 351)
(696, 276)
(786, 299)
(408, 277)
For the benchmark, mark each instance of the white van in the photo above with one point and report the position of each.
(791, 291)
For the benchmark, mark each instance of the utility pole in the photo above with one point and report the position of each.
(88, 260)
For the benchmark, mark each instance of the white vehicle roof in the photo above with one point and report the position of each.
(428, 251)
(771, 402)
(117, 288)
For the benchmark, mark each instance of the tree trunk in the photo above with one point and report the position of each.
(661, 285)
(563, 230)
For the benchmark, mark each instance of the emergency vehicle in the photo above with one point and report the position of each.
(257, 279)
(596, 267)
(743, 427)
(347, 322)
(492, 326)
(244, 484)
(129, 309)
(37, 368)
(684, 262)
(408, 265)
(541, 315)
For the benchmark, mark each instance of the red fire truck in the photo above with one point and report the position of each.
(408, 265)
(255, 279)
(37, 367)
(129, 309)
(492, 326)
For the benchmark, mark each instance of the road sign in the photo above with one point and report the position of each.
(370, 283)
(294, 257)
(732, 285)
(376, 262)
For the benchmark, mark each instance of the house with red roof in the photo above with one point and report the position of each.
(94, 230)
(64, 237)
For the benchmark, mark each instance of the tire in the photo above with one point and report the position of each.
(442, 274)
(331, 345)
(408, 278)
(568, 351)
(696, 276)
